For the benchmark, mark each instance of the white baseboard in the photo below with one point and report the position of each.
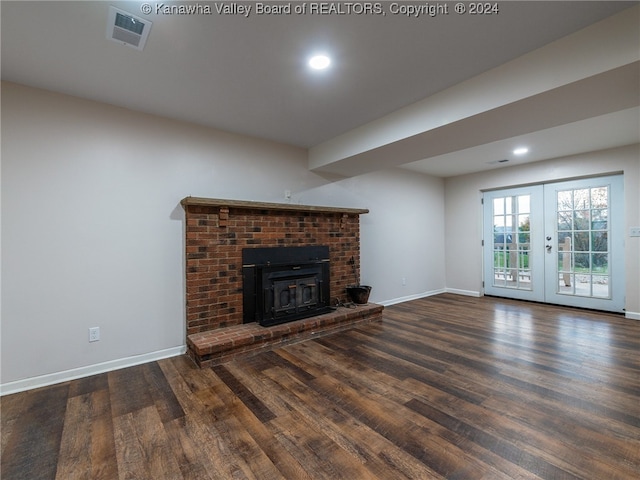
(408, 298)
(467, 293)
(59, 377)
(471, 293)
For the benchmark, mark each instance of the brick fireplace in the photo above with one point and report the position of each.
(217, 231)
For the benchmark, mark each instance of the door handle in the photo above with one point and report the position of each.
(549, 247)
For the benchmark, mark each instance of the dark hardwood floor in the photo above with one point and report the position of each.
(445, 387)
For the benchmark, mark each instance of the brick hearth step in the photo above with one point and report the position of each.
(223, 344)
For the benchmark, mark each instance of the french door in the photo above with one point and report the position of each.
(558, 243)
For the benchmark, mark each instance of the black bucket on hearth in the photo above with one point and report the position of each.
(359, 293)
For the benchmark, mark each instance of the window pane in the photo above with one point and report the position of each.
(581, 220)
(600, 262)
(599, 197)
(523, 223)
(564, 243)
(508, 201)
(508, 223)
(581, 262)
(566, 282)
(498, 206)
(601, 286)
(564, 262)
(599, 219)
(581, 199)
(565, 200)
(524, 204)
(581, 242)
(564, 221)
(599, 242)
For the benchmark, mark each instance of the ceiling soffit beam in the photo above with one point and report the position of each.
(596, 133)
(604, 46)
(601, 94)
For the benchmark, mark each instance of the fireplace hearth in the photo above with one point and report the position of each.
(218, 232)
(282, 284)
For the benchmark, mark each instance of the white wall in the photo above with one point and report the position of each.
(402, 236)
(464, 211)
(92, 229)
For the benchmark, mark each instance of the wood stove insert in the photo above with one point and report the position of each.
(282, 284)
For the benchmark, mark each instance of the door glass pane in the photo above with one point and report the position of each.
(581, 199)
(581, 241)
(565, 201)
(599, 241)
(581, 219)
(583, 236)
(599, 219)
(511, 242)
(566, 281)
(524, 203)
(600, 286)
(564, 221)
(600, 263)
(599, 197)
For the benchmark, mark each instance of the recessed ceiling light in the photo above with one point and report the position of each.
(520, 151)
(319, 62)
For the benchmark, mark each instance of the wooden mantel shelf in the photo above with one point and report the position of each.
(291, 207)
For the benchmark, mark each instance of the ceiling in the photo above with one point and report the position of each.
(249, 75)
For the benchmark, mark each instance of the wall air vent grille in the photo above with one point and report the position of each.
(127, 29)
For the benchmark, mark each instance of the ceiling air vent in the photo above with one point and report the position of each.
(505, 160)
(127, 29)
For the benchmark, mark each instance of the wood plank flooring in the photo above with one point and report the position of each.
(444, 387)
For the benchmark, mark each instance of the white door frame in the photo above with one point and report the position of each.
(612, 297)
(532, 272)
(503, 251)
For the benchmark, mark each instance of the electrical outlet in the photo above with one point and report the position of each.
(404, 281)
(287, 194)
(94, 334)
